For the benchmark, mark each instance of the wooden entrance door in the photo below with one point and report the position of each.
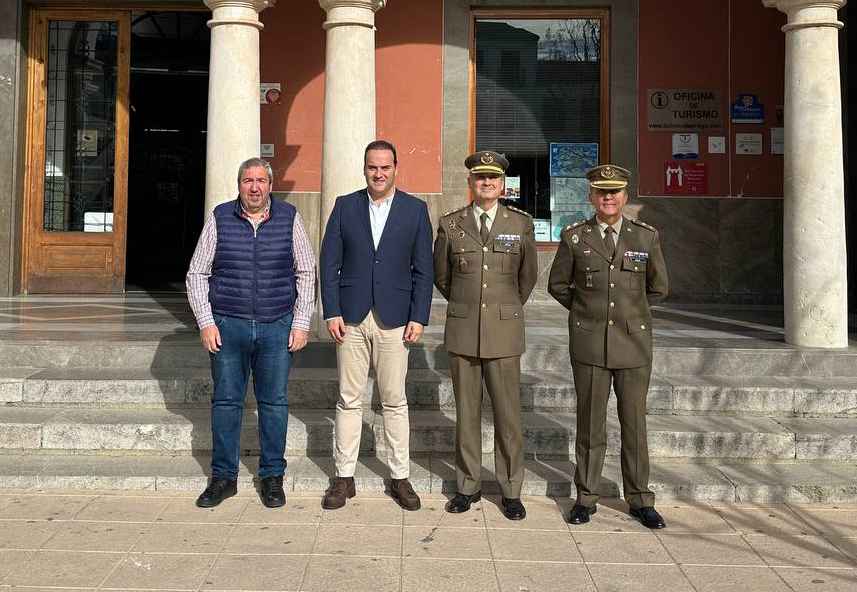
(77, 152)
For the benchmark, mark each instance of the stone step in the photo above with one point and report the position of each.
(187, 431)
(317, 388)
(544, 353)
(818, 482)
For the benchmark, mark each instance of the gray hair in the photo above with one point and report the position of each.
(255, 162)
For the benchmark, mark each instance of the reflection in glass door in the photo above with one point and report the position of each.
(78, 144)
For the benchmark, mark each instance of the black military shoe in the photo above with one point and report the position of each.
(217, 491)
(580, 514)
(649, 517)
(513, 509)
(461, 502)
(273, 495)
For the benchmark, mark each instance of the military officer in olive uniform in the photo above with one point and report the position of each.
(607, 271)
(485, 265)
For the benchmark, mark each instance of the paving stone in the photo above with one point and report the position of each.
(270, 539)
(639, 578)
(620, 547)
(12, 383)
(527, 545)
(257, 572)
(445, 575)
(355, 574)
(64, 568)
(147, 571)
(812, 580)
(735, 579)
(517, 576)
(798, 551)
(445, 543)
(709, 549)
(359, 540)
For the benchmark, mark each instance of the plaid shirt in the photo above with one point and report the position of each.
(203, 258)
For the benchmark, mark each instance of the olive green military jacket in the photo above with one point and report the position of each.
(610, 324)
(486, 285)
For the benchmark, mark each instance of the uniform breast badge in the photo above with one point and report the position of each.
(575, 239)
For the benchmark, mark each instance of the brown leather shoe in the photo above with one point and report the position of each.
(402, 491)
(338, 493)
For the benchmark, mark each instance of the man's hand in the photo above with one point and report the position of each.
(210, 337)
(336, 328)
(413, 332)
(298, 339)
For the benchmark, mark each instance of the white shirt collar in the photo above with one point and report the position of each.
(492, 213)
(617, 226)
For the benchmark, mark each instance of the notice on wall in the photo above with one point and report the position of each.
(717, 144)
(87, 142)
(748, 144)
(682, 109)
(270, 93)
(747, 109)
(572, 159)
(778, 140)
(686, 146)
(513, 188)
(685, 178)
(542, 229)
(569, 203)
(266, 151)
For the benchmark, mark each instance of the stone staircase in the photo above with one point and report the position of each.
(760, 423)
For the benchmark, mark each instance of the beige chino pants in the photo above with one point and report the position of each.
(365, 342)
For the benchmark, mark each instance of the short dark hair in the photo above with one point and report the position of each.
(381, 145)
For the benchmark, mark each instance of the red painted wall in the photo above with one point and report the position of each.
(409, 91)
(732, 46)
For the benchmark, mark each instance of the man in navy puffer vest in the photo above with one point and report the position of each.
(251, 285)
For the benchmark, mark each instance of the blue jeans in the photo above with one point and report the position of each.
(263, 348)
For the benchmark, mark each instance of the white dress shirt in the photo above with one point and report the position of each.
(379, 211)
(477, 212)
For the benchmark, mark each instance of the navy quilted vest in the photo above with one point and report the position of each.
(253, 274)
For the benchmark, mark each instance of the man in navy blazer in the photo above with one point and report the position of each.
(376, 289)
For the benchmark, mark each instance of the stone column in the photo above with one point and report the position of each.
(814, 265)
(233, 95)
(349, 96)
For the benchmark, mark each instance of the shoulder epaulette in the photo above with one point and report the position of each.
(514, 209)
(643, 224)
(455, 210)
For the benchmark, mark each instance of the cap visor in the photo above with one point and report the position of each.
(488, 168)
(609, 184)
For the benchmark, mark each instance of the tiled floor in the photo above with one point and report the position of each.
(92, 541)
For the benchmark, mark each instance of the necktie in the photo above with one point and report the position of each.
(483, 228)
(609, 242)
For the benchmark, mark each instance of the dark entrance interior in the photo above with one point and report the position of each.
(166, 181)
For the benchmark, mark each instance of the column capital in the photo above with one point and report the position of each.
(237, 12)
(373, 5)
(808, 13)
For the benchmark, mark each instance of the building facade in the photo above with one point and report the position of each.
(124, 123)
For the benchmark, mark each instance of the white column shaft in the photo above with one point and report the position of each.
(349, 99)
(233, 98)
(814, 252)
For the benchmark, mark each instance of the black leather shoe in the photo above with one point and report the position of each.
(649, 517)
(513, 509)
(273, 495)
(461, 502)
(217, 491)
(580, 514)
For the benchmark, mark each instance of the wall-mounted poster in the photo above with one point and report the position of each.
(748, 144)
(717, 144)
(685, 178)
(572, 159)
(747, 109)
(542, 230)
(681, 109)
(513, 188)
(569, 203)
(686, 146)
(778, 140)
(269, 93)
(560, 220)
(266, 151)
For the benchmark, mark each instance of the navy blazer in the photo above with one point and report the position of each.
(396, 280)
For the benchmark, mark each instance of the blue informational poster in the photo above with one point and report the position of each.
(572, 159)
(747, 109)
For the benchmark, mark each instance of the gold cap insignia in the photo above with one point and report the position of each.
(487, 158)
(608, 172)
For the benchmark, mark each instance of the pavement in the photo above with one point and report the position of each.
(160, 541)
